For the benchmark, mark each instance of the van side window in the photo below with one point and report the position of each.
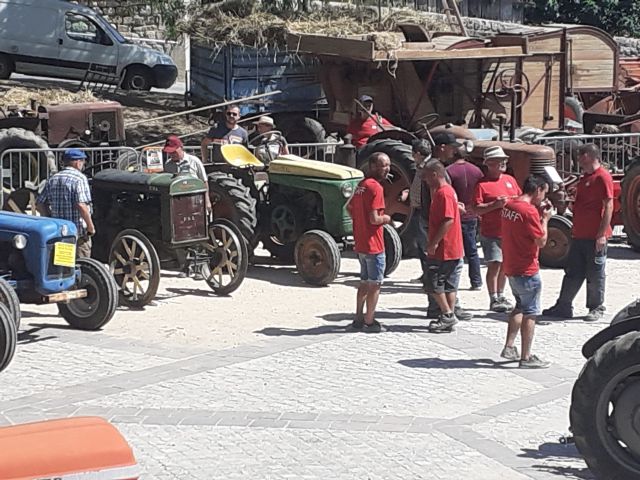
(83, 29)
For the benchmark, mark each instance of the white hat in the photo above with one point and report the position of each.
(494, 153)
(265, 120)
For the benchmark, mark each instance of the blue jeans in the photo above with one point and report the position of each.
(584, 264)
(469, 232)
(372, 267)
(527, 291)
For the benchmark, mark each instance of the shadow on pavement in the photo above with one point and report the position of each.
(560, 453)
(33, 335)
(339, 317)
(195, 292)
(439, 363)
(622, 252)
(293, 332)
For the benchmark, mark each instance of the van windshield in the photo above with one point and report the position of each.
(117, 36)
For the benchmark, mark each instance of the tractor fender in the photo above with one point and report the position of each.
(631, 324)
(401, 135)
(632, 163)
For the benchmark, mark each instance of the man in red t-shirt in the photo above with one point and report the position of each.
(367, 211)
(491, 194)
(366, 123)
(524, 233)
(592, 212)
(444, 246)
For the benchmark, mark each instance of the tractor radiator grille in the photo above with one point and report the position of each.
(189, 220)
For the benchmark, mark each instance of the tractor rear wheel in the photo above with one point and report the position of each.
(231, 199)
(556, 251)
(392, 250)
(605, 409)
(8, 337)
(630, 199)
(99, 306)
(135, 266)
(403, 169)
(317, 257)
(9, 299)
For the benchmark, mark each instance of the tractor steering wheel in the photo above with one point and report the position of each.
(425, 121)
(265, 140)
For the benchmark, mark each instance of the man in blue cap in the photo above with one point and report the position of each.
(67, 196)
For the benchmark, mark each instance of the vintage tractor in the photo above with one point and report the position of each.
(97, 124)
(296, 207)
(150, 221)
(8, 336)
(38, 259)
(605, 403)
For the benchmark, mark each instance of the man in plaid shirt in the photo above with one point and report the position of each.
(67, 196)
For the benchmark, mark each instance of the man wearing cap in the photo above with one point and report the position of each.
(66, 195)
(181, 162)
(366, 123)
(276, 144)
(491, 194)
(225, 133)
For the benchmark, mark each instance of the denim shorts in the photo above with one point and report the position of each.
(491, 248)
(527, 291)
(372, 267)
(443, 276)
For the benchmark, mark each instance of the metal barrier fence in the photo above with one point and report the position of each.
(324, 152)
(29, 168)
(617, 150)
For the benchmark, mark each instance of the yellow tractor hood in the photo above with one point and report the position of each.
(293, 165)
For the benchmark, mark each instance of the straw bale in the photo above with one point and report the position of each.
(22, 97)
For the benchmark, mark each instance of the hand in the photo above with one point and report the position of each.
(462, 208)
(431, 249)
(404, 196)
(386, 219)
(601, 242)
(500, 202)
(547, 213)
(91, 231)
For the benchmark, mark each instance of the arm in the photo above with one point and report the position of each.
(43, 209)
(547, 211)
(204, 148)
(376, 219)
(85, 213)
(482, 208)
(437, 237)
(601, 238)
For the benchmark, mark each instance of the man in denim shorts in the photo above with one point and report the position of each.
(367, 211)
(444, 246)
(524, 233)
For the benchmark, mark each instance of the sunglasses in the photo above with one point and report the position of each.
(232, 114)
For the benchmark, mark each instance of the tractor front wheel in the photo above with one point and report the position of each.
(317, 257)
(229, 258)
(630, 199)
(8, 337)
(9, 299)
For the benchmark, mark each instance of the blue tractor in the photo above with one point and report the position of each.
(38, 262)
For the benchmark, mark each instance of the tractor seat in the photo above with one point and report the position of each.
(239, 156)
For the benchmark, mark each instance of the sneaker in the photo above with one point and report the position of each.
(357, 324)
(182, 275)
(374, 327)
(534, 362)
(505, 301)
(594, 315)
(444, 324)
(558, 312)
(198, 276)
(418, 280)
(462, 315)
(475, 288)
(510, 353)
(497, 306)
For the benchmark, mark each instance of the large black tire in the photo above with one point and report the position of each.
(576, 109)
(231, 199)
(135, 266)
(36, 168)
(95, 310)
(317, 258)
(604, 410)
(6, 66)
(8, 337)
(556, 252)
(231, 256)
(297, 128)
(392, 250)
(9, 298)
(403, 169)
(137, 77)
(630, 200)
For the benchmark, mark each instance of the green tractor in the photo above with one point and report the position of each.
(297, 208)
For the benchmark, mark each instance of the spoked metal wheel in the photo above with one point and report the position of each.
(228, 258)
(135, 266)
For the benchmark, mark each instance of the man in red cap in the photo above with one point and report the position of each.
(181, 162)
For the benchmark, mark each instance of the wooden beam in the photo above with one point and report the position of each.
(325, 45)
(421, 54)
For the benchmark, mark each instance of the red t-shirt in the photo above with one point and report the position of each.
(444, 205)
(361, 130)
(369, 196)
(593, 189)
(520, 228)
(486, 192)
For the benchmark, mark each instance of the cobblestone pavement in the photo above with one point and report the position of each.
(312, 400)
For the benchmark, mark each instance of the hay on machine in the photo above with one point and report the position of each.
(22, 97)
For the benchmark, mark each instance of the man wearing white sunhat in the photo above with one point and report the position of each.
(491, 194)
(276, 144)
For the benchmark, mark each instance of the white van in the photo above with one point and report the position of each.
(56, 38)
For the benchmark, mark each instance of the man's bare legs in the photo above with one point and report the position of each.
(361, 298)
(373, 293)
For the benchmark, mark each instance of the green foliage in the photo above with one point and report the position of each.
(172, 12)
(617, 17)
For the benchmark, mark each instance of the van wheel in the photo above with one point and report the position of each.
(6, 66)
(137, 78)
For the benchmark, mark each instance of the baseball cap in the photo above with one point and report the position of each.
(446, 138)
(172, 144)
(365, 98)
(74, 154)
